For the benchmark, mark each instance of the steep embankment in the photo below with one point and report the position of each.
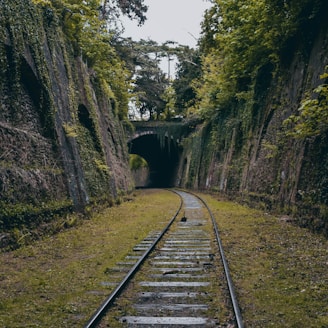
(61, 144)
(246, 152)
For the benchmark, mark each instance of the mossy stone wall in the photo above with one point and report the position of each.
(61, 145)
(247, 154)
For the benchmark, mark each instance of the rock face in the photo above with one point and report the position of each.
(247, 155)
(60, 143)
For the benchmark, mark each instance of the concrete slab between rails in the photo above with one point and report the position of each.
(177, 269)
(159, 295)
(193, 225)
(175, 263)
(167, 253)
(191, 229)
(198, 234)
(195, 221)
(171, 307)
(173, 283)
(184, 248)
(186, 244)
(196, 230)
(182, 257)
(195, 242)
(168, 275)
(179, 251)
(186, 321)
(179, 260)
(189, 237)
(193, 204)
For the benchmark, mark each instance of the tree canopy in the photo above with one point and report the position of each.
(152, 94)
(313, 114)
(240, 40)
(90, 26)
(129, 70)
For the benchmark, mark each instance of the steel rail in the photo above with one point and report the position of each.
(101, 311)
(236, 309)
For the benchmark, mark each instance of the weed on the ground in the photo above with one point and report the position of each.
(279, 270)
(58, 282)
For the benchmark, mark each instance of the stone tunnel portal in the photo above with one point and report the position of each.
(162, 157)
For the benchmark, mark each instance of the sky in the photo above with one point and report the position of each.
(169, 20)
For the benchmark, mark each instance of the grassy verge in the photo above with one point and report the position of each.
(280, 270)
(56, 282)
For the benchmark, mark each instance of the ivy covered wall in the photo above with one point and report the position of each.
(248, 152)
(62, 145)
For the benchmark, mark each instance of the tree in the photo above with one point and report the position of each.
(150, 85)
(239, 38)
(87, 24)
(169, 96)
(313, 114)
(134, 9)
(152, 95)
(188, 69)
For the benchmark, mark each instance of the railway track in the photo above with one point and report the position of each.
(178, 277)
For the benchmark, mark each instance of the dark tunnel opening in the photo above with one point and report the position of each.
(162, 158)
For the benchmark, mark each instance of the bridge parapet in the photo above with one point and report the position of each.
(162, 129)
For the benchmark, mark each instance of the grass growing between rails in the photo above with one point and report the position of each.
(57, 282)
(280, 271)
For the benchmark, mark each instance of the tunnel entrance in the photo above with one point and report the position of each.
(162, 157)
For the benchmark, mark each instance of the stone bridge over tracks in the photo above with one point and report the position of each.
(159, 143)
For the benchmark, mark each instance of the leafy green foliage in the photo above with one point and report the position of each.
(188, 69)
(238, 39)
(152, 94)
(134, 9)
(39, 267)
(280, 280)
(87, 24)
(137, 162)
(90, 27)
(169, 96)
(313, 114)
(150, 84)
(143, 60)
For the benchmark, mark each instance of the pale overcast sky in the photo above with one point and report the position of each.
(173, 20)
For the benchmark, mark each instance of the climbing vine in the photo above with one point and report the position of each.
(239, 39)
(312, 118)
(87, 30)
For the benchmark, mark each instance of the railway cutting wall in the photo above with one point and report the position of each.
(61, 144)
(246, 153)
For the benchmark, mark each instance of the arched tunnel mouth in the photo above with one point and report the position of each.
(162, 156)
